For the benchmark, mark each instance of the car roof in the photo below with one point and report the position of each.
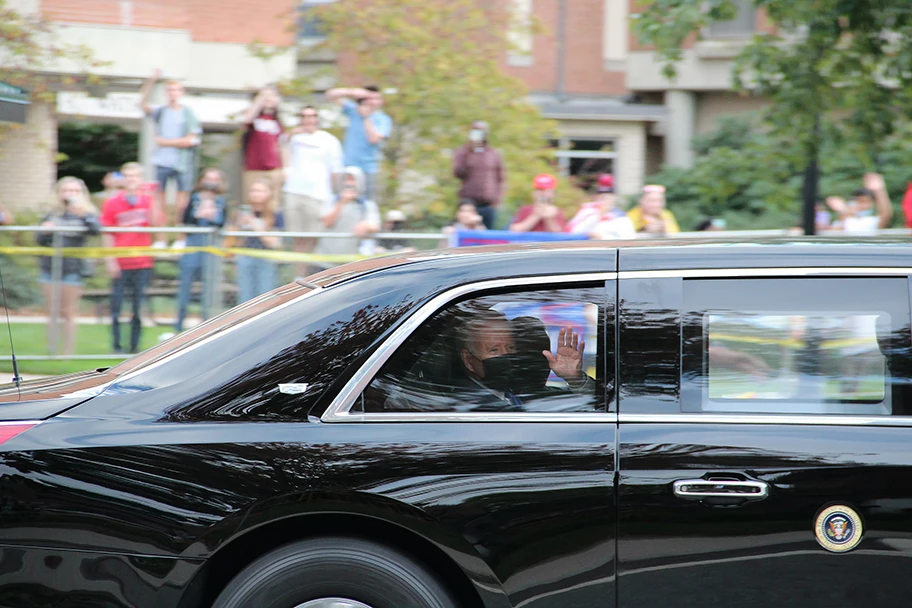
(641, 255)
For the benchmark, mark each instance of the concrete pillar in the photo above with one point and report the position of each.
(157, 97)
(680, 128)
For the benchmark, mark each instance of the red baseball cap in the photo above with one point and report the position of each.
(544, 181)
(606, 180)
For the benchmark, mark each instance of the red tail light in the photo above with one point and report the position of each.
(8, 431)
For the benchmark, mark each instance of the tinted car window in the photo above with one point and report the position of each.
(796, 346)
(531, 351)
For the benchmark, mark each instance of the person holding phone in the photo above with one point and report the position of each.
(353, 213)
(256, 276)
(205, 209)
(72, 208)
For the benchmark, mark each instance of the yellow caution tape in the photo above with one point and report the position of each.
(828, 344)
(135, 252)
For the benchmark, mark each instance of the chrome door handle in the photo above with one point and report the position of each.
(721, 488)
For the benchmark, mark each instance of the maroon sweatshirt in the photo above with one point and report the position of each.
(482, 173)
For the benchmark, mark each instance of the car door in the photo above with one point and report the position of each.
(525, 482)
(764, 433)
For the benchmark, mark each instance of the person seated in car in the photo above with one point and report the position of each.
(494, 371)
(533, 359)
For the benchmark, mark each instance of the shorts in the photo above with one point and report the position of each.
(72, 279)
(302, 213)
(163, 174)
(276, 177)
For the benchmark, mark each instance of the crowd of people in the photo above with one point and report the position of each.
(305, 180)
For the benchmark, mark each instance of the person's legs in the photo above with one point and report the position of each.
(265, 275)
(117, 296)
(277, 176)
(186, 265)
(244, 275)
(47, 291)
(163, 174)
(488, 215)
(138, 280)
(69, 310)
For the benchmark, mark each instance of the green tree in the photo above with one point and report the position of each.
(28, 45)
(89, 150)
(749, 175)
(833, 66)
(443, 59)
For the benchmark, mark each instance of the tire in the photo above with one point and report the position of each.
(341, 567)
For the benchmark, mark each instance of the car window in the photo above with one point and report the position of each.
(530, 351)
(796, 346)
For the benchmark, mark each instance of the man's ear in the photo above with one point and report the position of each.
(464, 354)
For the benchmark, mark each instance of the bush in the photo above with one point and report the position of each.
(20, 282)
(753, 180)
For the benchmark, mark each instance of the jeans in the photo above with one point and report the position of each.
(255, 276)
(135, 281)
(192, 268)
(487, 212)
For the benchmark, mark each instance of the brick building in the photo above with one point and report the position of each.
(202, 43)
(616, 111)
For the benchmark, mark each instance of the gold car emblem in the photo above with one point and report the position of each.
(838, 528)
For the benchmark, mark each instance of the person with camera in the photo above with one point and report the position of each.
(72, 209)
(205, 209)
(351, 213)
(256, 275)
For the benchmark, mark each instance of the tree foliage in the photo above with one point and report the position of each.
(748, 174)
(90, 150)
(845, 62)
(444, 61)
(28, 44)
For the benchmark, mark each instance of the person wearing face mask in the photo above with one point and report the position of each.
(497, 375)
(542, 215)
(205, 209)
(480, 168)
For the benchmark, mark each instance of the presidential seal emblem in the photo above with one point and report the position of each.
(838, 529)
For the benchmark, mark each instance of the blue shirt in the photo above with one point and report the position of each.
(358, 151)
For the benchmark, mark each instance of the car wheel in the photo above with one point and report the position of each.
(334, 573)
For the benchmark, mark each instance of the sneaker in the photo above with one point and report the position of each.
(159, 245)
(178, 244)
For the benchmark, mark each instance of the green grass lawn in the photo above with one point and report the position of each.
(31, 339)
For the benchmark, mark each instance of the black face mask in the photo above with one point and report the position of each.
(498, 372)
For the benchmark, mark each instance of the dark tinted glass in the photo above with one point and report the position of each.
(796, 346)
(537, 351)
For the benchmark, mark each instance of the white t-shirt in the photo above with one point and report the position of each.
(314, 157)
(867, 225)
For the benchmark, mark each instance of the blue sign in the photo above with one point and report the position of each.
(468, 238)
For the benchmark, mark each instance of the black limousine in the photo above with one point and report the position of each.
(546, 426)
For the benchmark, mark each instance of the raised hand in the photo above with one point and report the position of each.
(567, 359)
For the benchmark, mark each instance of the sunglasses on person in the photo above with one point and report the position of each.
(309, 115)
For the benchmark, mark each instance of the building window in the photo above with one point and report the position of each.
(584, 160)
(742, 25)
(519, 36)
(310, 28)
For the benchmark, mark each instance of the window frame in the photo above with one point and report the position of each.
(649, 409)
(339, 411)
